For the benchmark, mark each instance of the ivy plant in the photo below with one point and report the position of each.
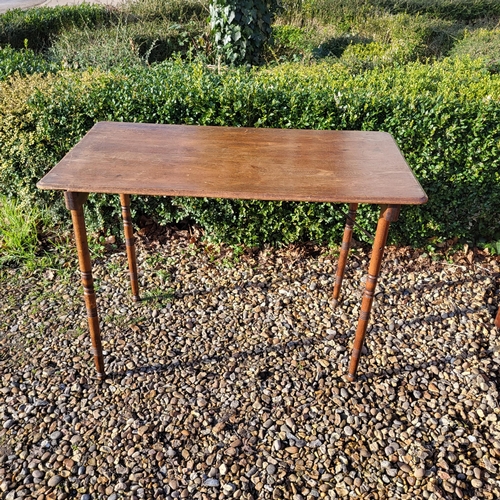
(241, 28)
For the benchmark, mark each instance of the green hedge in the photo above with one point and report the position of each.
(37, 26)
(445, 118)
(24, 62)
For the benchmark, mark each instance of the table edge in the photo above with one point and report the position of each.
(372, 201)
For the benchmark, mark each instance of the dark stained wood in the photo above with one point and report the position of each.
(344, 251)
(74, 201)
(245, 163)
(497, 319)
(130, 244)
(388, 214)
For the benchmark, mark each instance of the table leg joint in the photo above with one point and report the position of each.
(391, 212)
(74, 200)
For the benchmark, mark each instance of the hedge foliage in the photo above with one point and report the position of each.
(445, 117)
(481, 43)
(24, 62)
(463, 10)
(125, 45)
(39, 25)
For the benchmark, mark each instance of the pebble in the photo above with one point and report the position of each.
(54, 481)
(9, 423)
(489, 466)
(476, 483)
(55, 435)
(271, 469)
(212, 482)
(419, 473)
(268, 423)
(229, 488)
(231, 385)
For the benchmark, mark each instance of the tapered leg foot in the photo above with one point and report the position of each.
(344, 253)
(388, 214)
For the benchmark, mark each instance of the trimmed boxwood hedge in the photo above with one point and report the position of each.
(38, 25)
(445, 117)
(24, 62)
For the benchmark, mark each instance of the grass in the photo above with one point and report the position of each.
(157, 297)
(29, 240)
(19, 226)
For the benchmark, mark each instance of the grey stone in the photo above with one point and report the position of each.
(212, 482)
(54, 481)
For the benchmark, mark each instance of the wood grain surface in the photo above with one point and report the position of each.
(245, 163)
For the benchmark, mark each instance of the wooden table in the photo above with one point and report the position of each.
(247, 163)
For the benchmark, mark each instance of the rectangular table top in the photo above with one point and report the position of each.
(245, 163)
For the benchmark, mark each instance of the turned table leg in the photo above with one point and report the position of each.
(74, 202)
(388, 214)
(130, 245)
(344, 252)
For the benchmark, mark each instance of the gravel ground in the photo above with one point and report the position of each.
(227, 381)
